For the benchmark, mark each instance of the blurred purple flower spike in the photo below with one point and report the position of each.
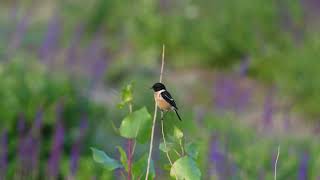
(75, 151)
(244, 66)
(268, 108)
(217, 159)
(220, 92)
(3, 153)
(21, 126)
(37, 122)
(71, 52)
(56, 151)
(95, 53)
(19, 33)
(57, 144)
(303, 167)
(50, 42)
(35, 135)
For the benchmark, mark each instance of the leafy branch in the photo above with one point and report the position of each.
(185, 166)
(135, 127)
(155, 115)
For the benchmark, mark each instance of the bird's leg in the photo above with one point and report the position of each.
(163, 114)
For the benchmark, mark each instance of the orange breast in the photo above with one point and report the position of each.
(162, 104)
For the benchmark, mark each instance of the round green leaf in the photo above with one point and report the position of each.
(185, 168)
(137, 125)
(102, 158)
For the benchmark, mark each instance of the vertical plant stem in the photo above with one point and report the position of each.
(130, 151)
(154, 117)
(276, 163)
(129, 154)
(181, 145)
(164, 140)
(165, 143)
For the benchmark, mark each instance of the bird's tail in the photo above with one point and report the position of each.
(177, 114)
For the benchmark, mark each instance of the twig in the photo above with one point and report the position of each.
(162, 62)
(154, 117)
(130, 151)
(276, 163)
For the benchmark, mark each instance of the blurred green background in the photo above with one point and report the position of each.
(245, 75)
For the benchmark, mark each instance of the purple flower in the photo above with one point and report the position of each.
(21, 127)
(19, 33)
(303, 167)
(231, 94)
(35, 133)
(96, 54)
(71, 52)
(223, 91)
(244, 66)
(56, 151)
(37, 125)
(3, 153)
(75, 151)
(268, 108)
(217, 159)
(50, 42)
(199, 114)
(287, 117)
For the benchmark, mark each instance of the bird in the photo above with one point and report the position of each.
(164, 99)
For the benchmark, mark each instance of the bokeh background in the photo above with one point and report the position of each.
(245, 74)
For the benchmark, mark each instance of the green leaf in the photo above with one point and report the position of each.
(185, 168)
(123, 158)
(177, 133)
(126, 95)
(102, 158)
(137, 125)
(139, 168)
(192, 150)
(165, 149)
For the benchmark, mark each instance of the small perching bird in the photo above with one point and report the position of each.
(164, 99)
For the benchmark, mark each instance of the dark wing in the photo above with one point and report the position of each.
(167, 96)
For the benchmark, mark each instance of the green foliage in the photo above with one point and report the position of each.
(103, 159)
(219, 32)
(185, 168)
(126, 96)
(192, 150)
(177, 133)
(123, 157)
(166, 148)
(295, 73)
(140, 167)
(137, 125)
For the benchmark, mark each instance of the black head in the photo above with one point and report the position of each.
(158, 87)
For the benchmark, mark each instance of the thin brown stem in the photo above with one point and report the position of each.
(154, 117)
